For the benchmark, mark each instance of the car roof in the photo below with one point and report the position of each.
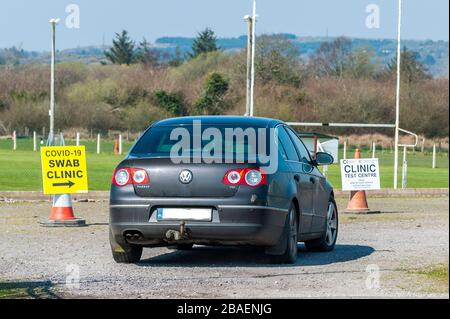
(318, 135)
(222, 119)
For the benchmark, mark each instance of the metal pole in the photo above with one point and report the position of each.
(78, 139)
(51, 135)
(374, 149)
(362, 125)
(252, 82)
(249, 21)
(397, 104)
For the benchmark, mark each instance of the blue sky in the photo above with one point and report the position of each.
(25, 23)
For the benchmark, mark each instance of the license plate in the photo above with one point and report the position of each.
(198, 214)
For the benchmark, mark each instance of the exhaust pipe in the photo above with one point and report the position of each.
(133, 236)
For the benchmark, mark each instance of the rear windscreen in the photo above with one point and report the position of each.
(166, 140)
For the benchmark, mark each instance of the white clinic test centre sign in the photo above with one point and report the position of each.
(360, 174)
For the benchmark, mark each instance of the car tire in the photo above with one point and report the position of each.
(290, 235)
(328, 240)
(132, 255)
(124, 253)
(181, 247)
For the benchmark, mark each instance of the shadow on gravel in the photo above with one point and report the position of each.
(27, 290)
(201, 256)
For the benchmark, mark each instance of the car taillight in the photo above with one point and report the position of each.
(140, 176)
(127, 176)
(248, 176)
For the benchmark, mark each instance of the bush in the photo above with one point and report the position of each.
(212, 102)
(170, 102)
(115, 97)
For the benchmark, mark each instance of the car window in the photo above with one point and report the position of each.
(287, 145)
(282, 151)
(301, 148)
(157, 141)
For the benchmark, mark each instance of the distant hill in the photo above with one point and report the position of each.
(434, 54)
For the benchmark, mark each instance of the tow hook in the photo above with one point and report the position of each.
(178, 235)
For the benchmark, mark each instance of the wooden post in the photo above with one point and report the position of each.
(14, 140)
(404, 169)
(344, 156)
(423, 145)
(34, 141)
(98, 144)
(374, 148)
(434, 156)
(120, 144)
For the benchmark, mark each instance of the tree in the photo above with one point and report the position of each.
(332, 58)
(212, 101)
(361, 65)
(146, 55)
(123, 50)
(278, 60)
(205, 42)
(411, 69)
(177, 58)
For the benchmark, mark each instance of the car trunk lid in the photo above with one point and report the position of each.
(165, 181)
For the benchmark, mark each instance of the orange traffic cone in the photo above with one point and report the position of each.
(358, 201)
(62, 213)
(116, 147)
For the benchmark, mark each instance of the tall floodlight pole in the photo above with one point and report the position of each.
(51, 136)
(397, 105)
(252, 83)
(249, 21)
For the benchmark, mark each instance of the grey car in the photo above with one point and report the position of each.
(165, 197)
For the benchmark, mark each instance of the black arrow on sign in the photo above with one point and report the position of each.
(69, 183)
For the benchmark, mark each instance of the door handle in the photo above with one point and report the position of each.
(312, 180)
(297, 178)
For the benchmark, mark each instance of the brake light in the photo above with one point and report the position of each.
(248, 176)
(127, 176)
(140, 176)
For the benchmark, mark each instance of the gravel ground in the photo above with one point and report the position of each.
(411, 233)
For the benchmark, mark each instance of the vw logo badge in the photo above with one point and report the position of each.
(185, 176)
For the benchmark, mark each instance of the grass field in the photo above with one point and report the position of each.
(20, 170)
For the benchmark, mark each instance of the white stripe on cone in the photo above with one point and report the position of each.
(62, 207)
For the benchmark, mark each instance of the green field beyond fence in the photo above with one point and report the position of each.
(20, 170)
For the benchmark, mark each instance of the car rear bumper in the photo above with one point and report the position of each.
(230, 225)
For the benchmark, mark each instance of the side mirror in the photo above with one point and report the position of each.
(324, 159)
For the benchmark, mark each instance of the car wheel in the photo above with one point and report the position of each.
(132, 255)
(328, 241)
(181, 247)
(125, 253)
(290, 233)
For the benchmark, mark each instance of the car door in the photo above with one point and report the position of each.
(304, 188)
(317, 182)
